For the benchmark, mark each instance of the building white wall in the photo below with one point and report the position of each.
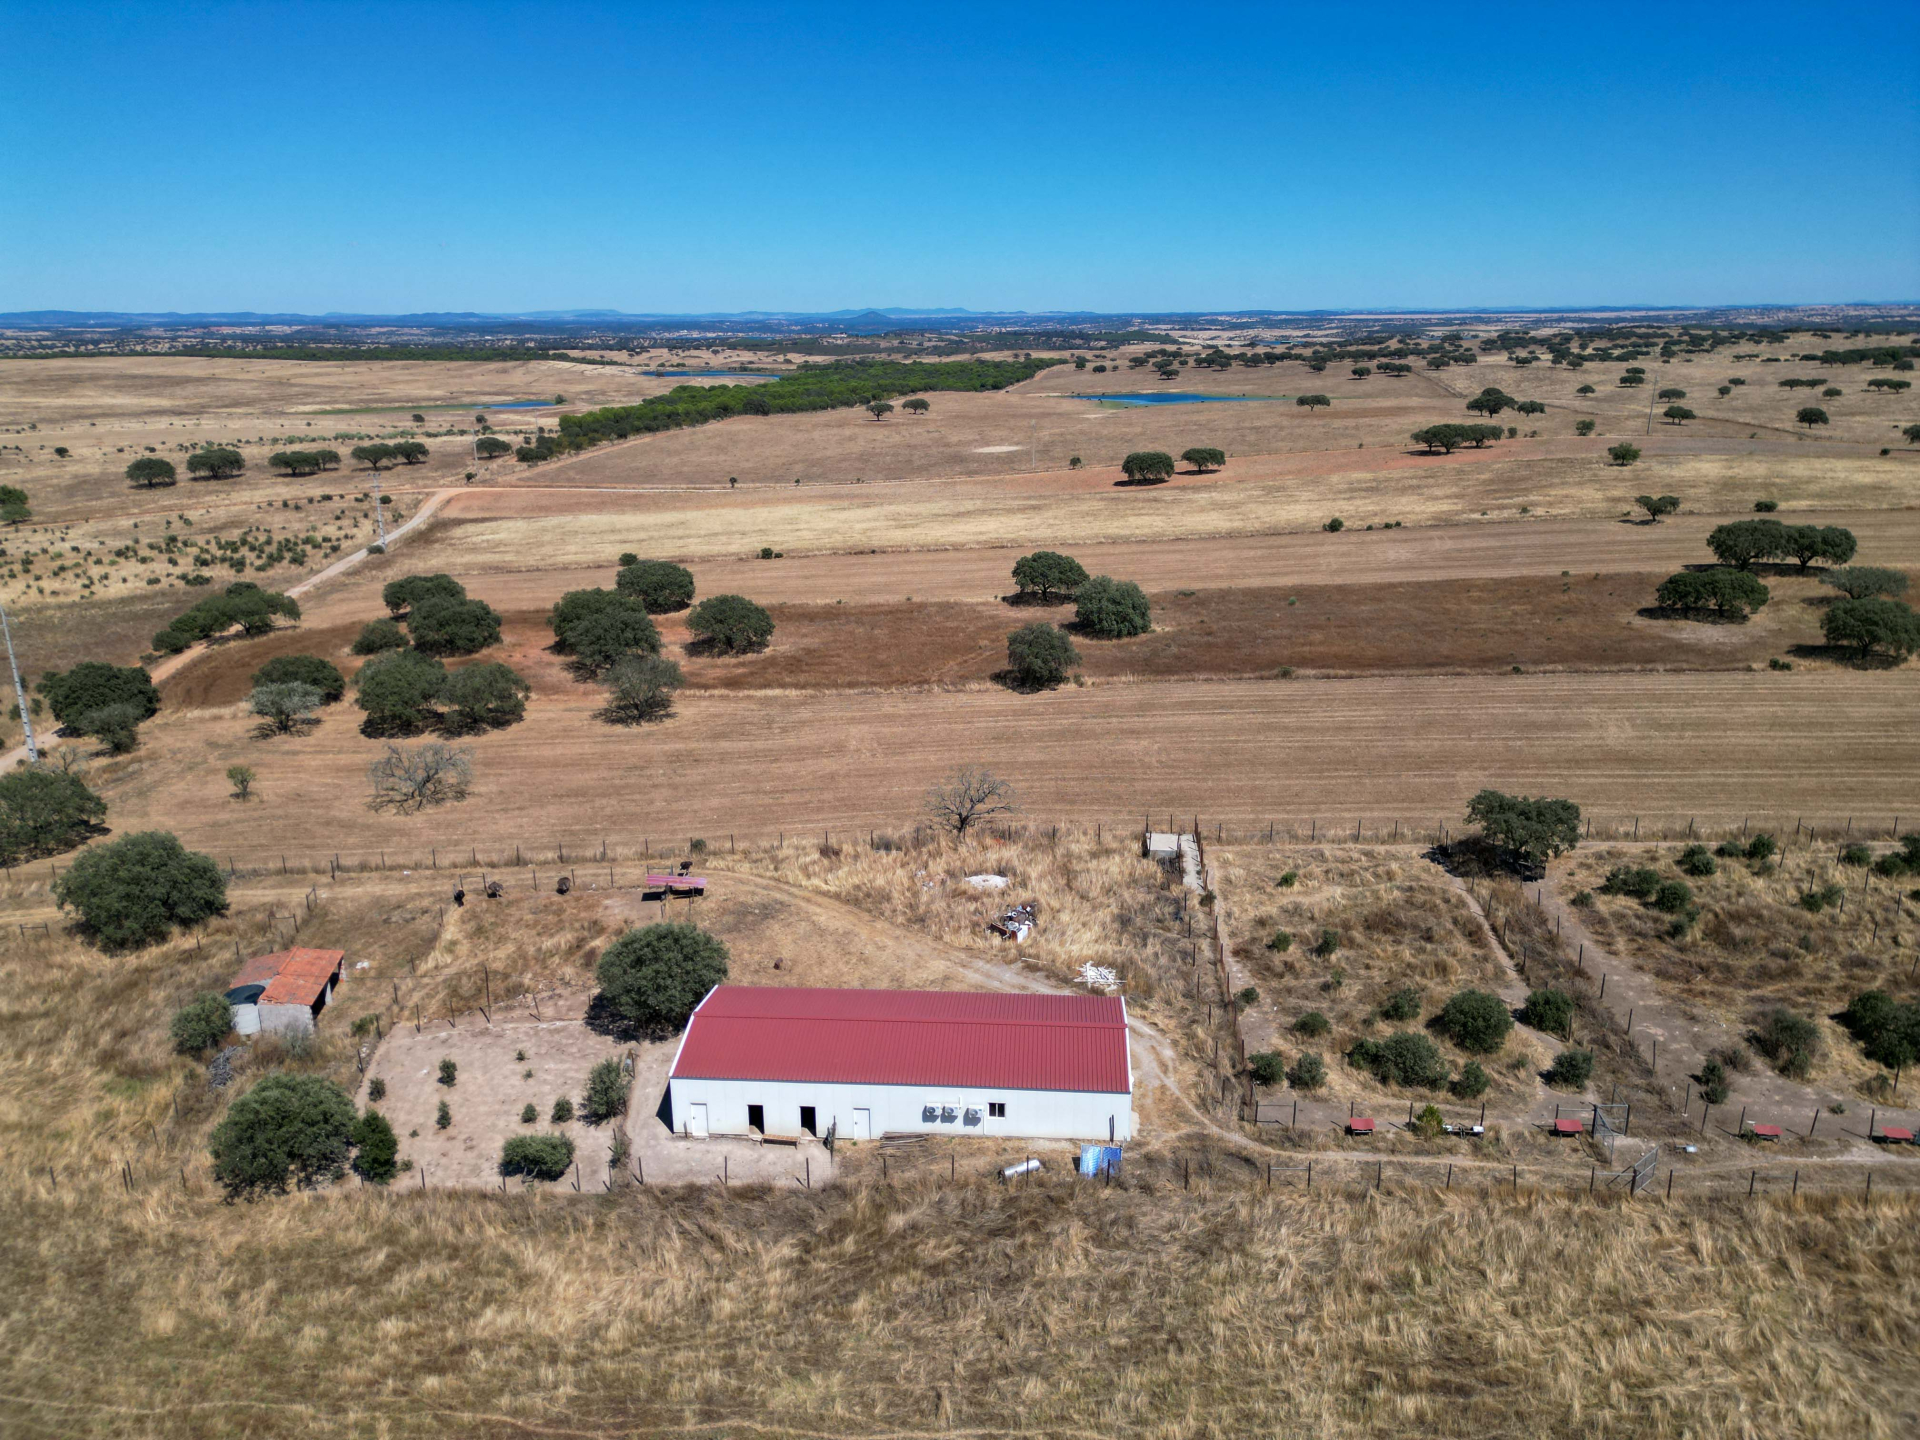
(1030, 1114)
(287, 1019)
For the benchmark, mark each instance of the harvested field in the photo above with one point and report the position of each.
(473, 544)
(1414, 746)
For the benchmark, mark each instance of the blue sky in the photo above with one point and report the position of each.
(1114, 157)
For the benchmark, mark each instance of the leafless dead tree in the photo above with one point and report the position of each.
(967, 797)
(410, 780)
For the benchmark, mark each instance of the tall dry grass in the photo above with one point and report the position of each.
(1061, 1308)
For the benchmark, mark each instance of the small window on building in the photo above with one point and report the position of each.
(996, 1109)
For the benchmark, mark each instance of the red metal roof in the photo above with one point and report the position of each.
(908, 1037)
(1564, 1126)
(1894, 1132)
(292, 977)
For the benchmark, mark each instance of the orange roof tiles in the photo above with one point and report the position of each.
(292, 977)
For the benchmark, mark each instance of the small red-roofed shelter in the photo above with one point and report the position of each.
(1765, 1132)
(1894, 1135)
(1569, 1126)
(285, 991)
(1359, 1125)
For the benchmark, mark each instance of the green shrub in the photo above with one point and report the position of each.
(443, 626)
(1471, 1083)
(1311, 1023)
(1761, 847)
(1112, 609)
(1789, 1041)
(538, 1157)
(1856, 856)
(731, 624)
(1288, 880)
(1327, 944)
(134, 891)
(1827, 896)
(443, 1117)
(1550, 1010)
(1697, 860)
(1714, 1085)
(1730, 850)
(1040, 655)
(44, 812)
(655, 975)
(1634, 880)
(528, 1113)
(660, 585)
(322, 675)
(201, 1023)
(1403, 1058)
(377, 636)
(1282, 941)
(1402, 1004)
(449, 1071)
(1672, 897)
(1309, 1072)
(1888, 1030)
(286, 1130)
(606, 1097)
(1571, 1069)
(1268, 1067)
(1246, 999)
(562, 1111)
(378, 1150)
(1476, 1021)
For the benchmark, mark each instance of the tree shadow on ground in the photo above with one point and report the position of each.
(1011, 680)
(1699, 617)
(1846, 655)
(1144, 481)
(1034, 600)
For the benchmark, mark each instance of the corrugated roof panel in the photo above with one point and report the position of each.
(908, 1037)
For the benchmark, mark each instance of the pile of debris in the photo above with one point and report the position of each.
(1015, 924)
(1098, 977)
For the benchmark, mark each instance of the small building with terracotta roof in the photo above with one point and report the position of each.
(778, 1061)
(284, 991)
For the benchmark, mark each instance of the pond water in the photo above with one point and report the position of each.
(515, 405)
(1173, 397)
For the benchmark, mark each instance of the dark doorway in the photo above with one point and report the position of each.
(806, 1121)
(757, 1118)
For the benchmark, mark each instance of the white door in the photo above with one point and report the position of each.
(697, 1119)
(862, 1127)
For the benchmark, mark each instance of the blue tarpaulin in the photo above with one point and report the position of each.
(1096, 1159)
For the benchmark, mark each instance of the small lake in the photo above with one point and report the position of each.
(1174, 397)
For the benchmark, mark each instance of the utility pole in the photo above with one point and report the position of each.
(380, 514)
(19, 691)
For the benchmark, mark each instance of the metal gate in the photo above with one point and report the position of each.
(1610, 1122)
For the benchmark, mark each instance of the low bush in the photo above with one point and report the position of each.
(606, 1097)
(1827, 896)
(377, 1156)
(1637, 881)
(201, 1023)
(1309, 1072)
(1571, 1069)
(449, 1071)
(1282, 941)
(1327, 944)
(1311, 1023)
(1856, 856)
(1268, 1067)
(1789, 1041)
(1403, 1058)
(323, 675)
(1402, 1004)
(1550, 1010)
(443, 1117)
(1477, 1021)
(376, 1090)
(1471, 1083)
(538, 1157)
(529, 1113)
(377, 636)
(1672, 897)
(1714, 1084)
(562, 1111)
(1761, 847)
(1888, 1030)
(1698, 861)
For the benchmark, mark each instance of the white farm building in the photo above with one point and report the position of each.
(284, 991)
(786, 1062)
